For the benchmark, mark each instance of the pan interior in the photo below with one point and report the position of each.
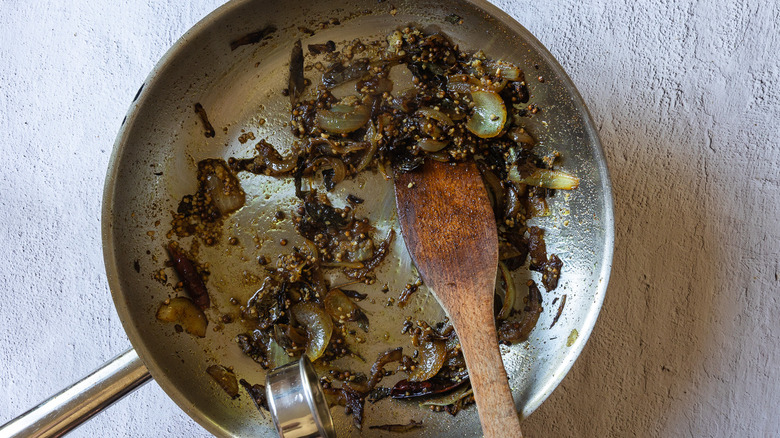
(162, 139)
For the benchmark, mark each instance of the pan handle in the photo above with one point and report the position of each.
(76, 404)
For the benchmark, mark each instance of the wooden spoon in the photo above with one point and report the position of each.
(450, 232)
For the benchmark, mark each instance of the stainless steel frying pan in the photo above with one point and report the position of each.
(153, 166)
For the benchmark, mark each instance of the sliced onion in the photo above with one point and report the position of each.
(522, 138)
(288, 336)
(184, 312)
(372, 137)
(378, 370)
(457, 114)
(408, 389)
(439, 156)
(222, 186)
(338, 167)
(381, 168)
(374, 85)
(435, 114)
(313, 250)
(537, 207)
(514, 173)
(225, 201)
(375, 260)
(342, 119)
(404, 100)
(318, 282)
(429, 145)
(461, 84)
(512, 202)
(190, 277)
(318, 325)
(506, 70)
(343, 309)
(340, 307)
(355, 403)
(430, 129)
(339, 74)
(348, 147)
(451, 398)
(432, 357)
(225, 379)
(498, 85)
(296, 83)
(330, 147)
(510, 294)
(334, 396)
(518, 331)
(547, 178)
(489, 114)
(401, 77)
(507, 251)
(274, 164)
(495, 189)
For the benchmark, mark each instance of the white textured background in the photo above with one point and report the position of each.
(686, 97)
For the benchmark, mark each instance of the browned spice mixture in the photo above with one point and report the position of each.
(455, 106)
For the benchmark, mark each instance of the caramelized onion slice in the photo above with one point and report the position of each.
(451, 398)
(274, 163)
(510, 295)
(318, 325)
(431, 113)
(429, 145)
(408, 389)
(522, 137)
(372, 137)
(184, 312)
(343, 119)
(338, 73)
(506, 70)
(336, 165)
(493, 184)
(268, 161)
(342, 309)
(548, 178)
(225, 379)
(326, 146)
(225, 201)
(378, 370)
(511, 332)
(375, 260)
(461, 84)
(221, 185)
(432, 357)
(489, 114)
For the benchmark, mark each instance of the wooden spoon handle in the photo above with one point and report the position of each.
(495, 405)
